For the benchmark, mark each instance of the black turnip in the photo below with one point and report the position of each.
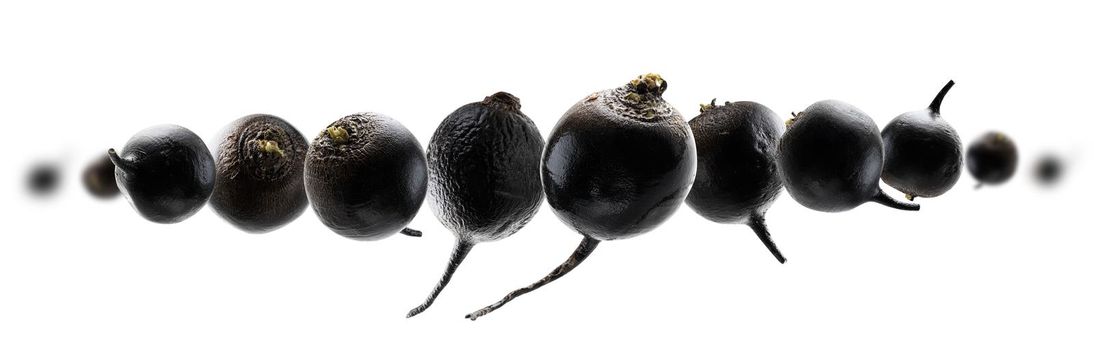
(737, 177)
(616, 165)
(44, 179)
(365, 177)
(830, 159)
(1048, 169)
(260, 173)
(99, 180)
(166, 172)
(992, 159)
(484, 176)
(922, 151)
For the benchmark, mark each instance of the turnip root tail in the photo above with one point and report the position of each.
(884, 199)
(118, 161)
(459, 252)
(588, 244)
(411, 232)
(758, 225)
(936, 105)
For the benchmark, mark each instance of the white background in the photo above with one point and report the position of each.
(1003, 267)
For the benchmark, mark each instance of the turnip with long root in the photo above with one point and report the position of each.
(483, 165)
(617, 165)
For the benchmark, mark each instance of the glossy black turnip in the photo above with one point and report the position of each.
(260, 173)
(483, 164)
(365, 177)
(98, 178)
(737, 178)
(922, 151)
(830, 159)
(992, 159)
(166, 172)
(616, 165)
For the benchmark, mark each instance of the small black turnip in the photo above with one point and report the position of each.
(737, 178)
(922, 151)
(992, 159)
(617, 165)
(44, 179)
(260, 173)
(166, 172)
(1048, 169)
(484, 176)
(99, 180)
(365, 177)
(831, 157)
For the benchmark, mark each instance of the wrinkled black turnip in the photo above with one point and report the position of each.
(260, 173)
(483, 164)
(365, 177)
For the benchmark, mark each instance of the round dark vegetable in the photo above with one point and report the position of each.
(737, 177)
(365, 177)
(922, 151)
(260, 173)
(484, 176)
(165, 172)
(992, 159)
(43, 179)
(617, 165)
(1048, 170)
(831, 157)
(99, 178)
